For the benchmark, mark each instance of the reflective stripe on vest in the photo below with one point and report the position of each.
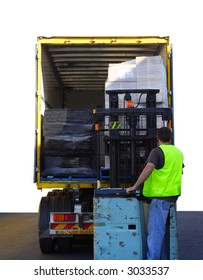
(166, 182)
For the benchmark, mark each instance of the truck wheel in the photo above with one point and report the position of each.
(58, 201)
(46, 244)
(65, 244)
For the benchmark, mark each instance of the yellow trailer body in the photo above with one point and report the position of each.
(71, 72)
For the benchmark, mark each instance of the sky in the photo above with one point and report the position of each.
(23, 21)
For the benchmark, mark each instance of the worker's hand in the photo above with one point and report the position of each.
(130, 189)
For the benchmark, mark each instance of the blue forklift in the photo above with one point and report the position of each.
(120, 219)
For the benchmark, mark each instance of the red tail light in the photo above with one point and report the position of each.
(65, 217)
(70, 217)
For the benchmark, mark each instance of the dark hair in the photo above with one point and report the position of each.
(164, 134)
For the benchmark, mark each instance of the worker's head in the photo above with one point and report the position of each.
(164, 135)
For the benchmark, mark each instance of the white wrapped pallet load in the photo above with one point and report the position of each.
(121, 76)
(124, 71)
(151, 74)
(140, 73)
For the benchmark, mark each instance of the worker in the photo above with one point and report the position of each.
(162, 177)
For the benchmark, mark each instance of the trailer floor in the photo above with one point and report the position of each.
(19, 238)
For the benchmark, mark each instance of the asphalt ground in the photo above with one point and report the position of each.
(19, 238)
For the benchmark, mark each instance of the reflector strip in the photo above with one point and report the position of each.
(58, 226)
(64, 226)
(88, 225)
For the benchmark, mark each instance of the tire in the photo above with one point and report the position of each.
(65, 244)
(59, 201)
(46, 244)
(43, 217)
(53, 193)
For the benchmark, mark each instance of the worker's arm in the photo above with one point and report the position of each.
(143, 176)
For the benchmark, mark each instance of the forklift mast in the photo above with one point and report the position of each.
(131, 134)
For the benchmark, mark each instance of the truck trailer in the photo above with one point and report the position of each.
(99, 102)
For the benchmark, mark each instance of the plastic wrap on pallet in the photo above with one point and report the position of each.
(69, 161)
(61, 128)
(80, 172)
(70, 144)
(79, 166)
(68, 116)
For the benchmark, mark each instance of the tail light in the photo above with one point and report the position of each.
(65, 217)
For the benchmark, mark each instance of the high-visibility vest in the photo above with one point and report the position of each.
(166, 182)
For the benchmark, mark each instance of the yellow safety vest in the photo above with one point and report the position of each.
(166, 182)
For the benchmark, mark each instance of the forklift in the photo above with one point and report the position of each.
(120, 219)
